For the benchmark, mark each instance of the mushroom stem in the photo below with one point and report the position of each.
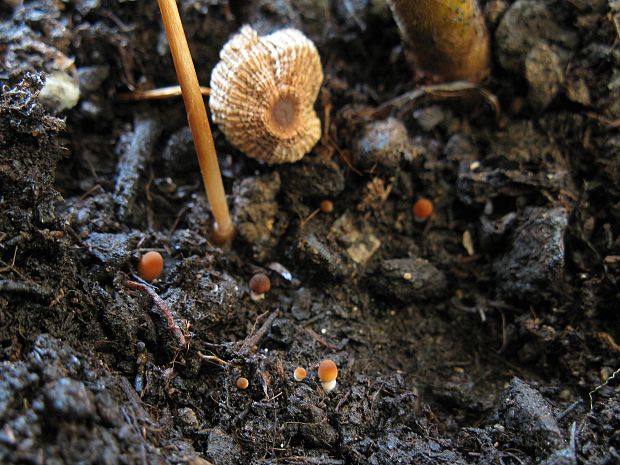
(448, 37)
(329, 386)
(198, 121)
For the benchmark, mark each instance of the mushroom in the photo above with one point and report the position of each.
(151, 265)
(327, 206)
(299, 374)
(263, 92)
(422, 209)
(242, 383)
(328, 372)
(259, 285)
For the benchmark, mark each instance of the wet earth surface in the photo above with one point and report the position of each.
(487, 334)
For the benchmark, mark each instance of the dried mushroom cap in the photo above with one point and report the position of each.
(263, 92)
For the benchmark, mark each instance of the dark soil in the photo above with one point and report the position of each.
(477, 337)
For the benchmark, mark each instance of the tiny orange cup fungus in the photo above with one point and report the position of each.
(328, 372)
(242, 383)
(259, 285)
(299, 374)
(151, 265)
(422, 209)
(327, 206)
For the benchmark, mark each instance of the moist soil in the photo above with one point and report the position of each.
(487, 334)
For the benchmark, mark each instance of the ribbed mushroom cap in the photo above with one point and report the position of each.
(263, 92)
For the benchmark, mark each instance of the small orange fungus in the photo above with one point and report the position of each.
(328, 372)
(327, 206)
(242, 383)
(422, 209)
(151, 265)
(299, 374)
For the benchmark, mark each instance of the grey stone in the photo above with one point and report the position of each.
(312, 177)
(429, 117)
(91, 77)
(179, 154)
(255, 211)
(408, 280)
(69, 399)
(360, 242)
(544, 72)
(112, 249)
(223, 447)
(321, 256)
(526, 24)
(534, 264)
(523, 410)
(282, 331)
(383, 144)
(561, 457)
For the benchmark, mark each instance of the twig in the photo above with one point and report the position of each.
(305, 221)
(316, 336)
(610, 123)
(177, 220)
(343, 157)
(12, 265)
(569, 409)
(343, 400)
(134, 157)
(160, 93)
(163, 307)
(601, 386)
(251, 341)
(444, 91)
(607, 340)
(302, 459)
(214, 359)
(18, 287)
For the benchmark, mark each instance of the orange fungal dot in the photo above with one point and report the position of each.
(422, 209)
(327, 206)
(242, 383)
(151, 265)
(299, 374)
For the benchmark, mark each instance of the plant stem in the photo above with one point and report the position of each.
(198, 121)
(448, 37)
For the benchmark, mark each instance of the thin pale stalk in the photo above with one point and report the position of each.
(197, 118)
